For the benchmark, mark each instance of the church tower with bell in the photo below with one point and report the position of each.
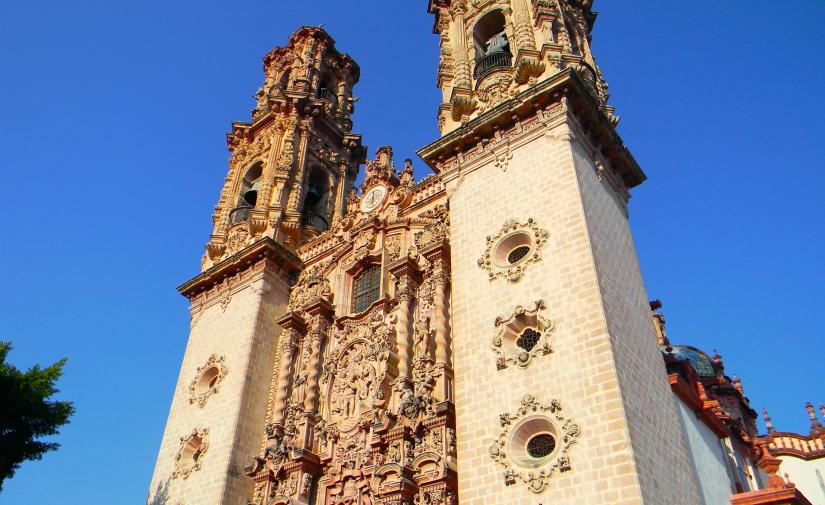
(558, 376)
(481, 335)
(291, 170)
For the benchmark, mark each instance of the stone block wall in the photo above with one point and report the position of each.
(593, 339)
(243, 331)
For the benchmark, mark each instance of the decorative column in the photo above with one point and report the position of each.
(521, 26)
(438, 255)
(297, 189)
(321, 314)
(441, 281)
(405, 272)
(529, 63)
(463, 79)
(340, 192)
(293, 327)
(461, 101)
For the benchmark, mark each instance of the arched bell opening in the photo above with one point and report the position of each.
(327, 89)
(314, 213)
(492, 47)
(247, 194)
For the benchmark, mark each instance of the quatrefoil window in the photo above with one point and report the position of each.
(522, 336)
(528, 339)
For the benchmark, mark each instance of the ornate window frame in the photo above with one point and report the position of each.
(513, 235)
(509, 329)
(207, 378)
(531, 419)
(189, 457)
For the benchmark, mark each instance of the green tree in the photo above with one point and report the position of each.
(26, 413)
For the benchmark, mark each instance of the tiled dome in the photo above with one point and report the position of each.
(697, 359)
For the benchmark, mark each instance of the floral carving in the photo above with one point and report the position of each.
(533, 417)
(496, 255)
(190, 454)
(494, 89)
(522, 336)
(438, 230)
(312, 286)
(207, 378)
(393, 247)
(236, 238)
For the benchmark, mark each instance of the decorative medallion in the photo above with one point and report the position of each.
(190, 454)
(207, 379)
(515, 246)
(522, 336)
(534, 443)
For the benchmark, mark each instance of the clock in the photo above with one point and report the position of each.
(373, 198)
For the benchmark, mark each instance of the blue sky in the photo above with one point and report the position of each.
(114, 116)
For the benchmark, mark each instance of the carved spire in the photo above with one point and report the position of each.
(816, 427)
(768, 421)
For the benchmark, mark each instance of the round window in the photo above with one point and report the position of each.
(541, 446)
(208, 379)
(533, 441)
(518, 254)
(512, 249)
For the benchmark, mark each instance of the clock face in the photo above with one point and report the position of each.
(373, 198)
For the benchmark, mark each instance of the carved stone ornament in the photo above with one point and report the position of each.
(512, 249)
(190, 454)
(355, 375)
(236, 238)
(534, 443)
(522, 336)
(312, 286)
(207, 378)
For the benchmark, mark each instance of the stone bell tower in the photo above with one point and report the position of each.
(560, 391)
(290, 170)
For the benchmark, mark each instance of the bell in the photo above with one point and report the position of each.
(251, 195)
(313, 194)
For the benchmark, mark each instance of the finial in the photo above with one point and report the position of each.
(816, 428)
(768, 421)
(738, 385)
(716, 357)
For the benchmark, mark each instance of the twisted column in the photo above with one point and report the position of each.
(441, 278)
(405, 271)
(289, 344)
(316, 336)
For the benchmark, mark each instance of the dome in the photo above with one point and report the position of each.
(697, 359)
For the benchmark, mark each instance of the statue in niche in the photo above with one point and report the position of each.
(422, 334)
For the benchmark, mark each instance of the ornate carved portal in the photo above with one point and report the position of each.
(361, 408)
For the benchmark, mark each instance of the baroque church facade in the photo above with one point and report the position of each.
(415, 342)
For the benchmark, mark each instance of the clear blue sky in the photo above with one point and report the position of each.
(114, 116)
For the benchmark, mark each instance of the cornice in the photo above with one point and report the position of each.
(526, 105)
(284, 261)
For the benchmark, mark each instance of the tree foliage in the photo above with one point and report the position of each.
(26, 413)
